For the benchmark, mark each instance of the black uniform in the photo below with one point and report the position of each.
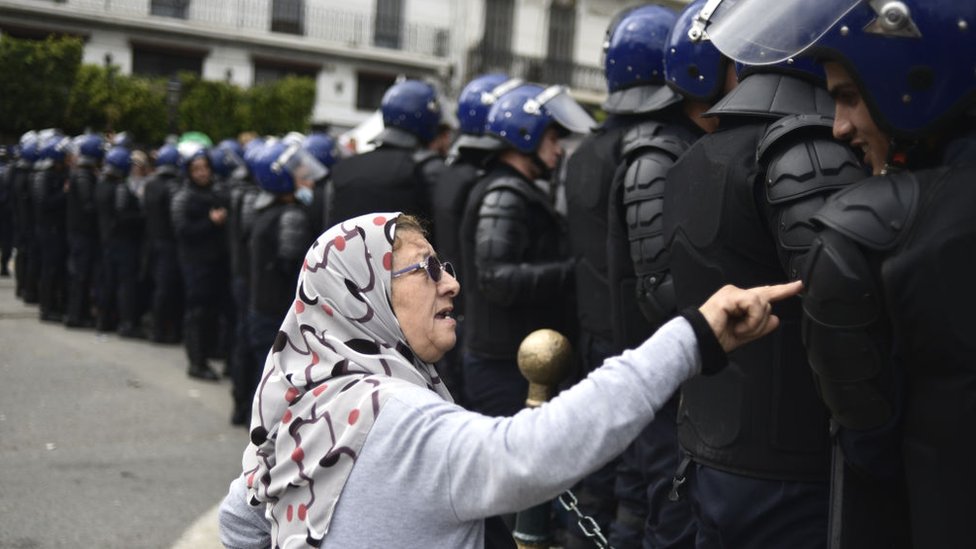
(515, 253)
(83, 244)
(451, 191)
(6, 218)
(388, 178)
(756, 432)
(640, 299)
(240, 219)
(121, 229)
(202, 247)
(167, 299)
(26, 269)
(280, 236)
(48, 200)
(889, 328)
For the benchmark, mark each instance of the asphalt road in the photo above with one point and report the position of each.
(105, 442)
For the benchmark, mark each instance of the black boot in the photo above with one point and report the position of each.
(194, 340)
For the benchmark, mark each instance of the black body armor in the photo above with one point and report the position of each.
(761, 416)
(515, 250)
(382, 180)
(279, 239)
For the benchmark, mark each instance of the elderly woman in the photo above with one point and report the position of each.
(355, 442)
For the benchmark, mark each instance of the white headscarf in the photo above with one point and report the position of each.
(337, 356)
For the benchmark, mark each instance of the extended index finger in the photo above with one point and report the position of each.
(779, 292)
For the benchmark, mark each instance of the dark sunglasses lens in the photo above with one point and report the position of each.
(449, 268)
(434, 268)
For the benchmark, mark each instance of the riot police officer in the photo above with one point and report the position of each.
(25, 269)
(280, 236)
(638, 98)
(398, 174)
(118, 163)
(199, 217)
(887, 323)
(464, 166)
(167, 299)
(82, 221)
(755, 439)
(6, 214)
(48, 187)
(514, 244)
(641, 293)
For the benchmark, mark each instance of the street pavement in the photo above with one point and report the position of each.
(105, 442)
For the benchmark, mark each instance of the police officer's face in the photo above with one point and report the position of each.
(421, 305)
(852, 120)
(550, 150)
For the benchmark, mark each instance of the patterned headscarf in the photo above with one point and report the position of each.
(337, 356)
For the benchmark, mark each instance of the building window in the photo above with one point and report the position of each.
(288, 16)
(267, 70)
(370, 89)
(388, 24)
(170, 8)
(562, 35)
(499, 17)
(161, 61)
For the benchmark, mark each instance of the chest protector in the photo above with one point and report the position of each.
(761, 415)
(589, 175)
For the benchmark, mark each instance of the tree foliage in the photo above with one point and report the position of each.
(39, 76)
(51, 88)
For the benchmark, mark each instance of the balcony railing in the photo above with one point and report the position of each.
(259, 16)
(537, 69)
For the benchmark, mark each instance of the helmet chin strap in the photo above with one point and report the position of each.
(545, 172)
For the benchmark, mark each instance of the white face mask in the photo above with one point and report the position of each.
(303, 195)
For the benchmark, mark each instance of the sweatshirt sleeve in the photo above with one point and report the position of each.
(242, 526)
(500, 465)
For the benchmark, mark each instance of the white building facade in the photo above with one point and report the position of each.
(354, 49)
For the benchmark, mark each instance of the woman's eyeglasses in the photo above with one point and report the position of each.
(432, 265)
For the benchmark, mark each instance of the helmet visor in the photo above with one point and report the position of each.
(565, 110)
(300, 164)
(762, 32)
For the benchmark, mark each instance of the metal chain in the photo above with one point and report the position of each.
(586, 523)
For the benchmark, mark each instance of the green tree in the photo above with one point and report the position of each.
(103, 100)
(281, 106)
(214, 108)
(40, 76)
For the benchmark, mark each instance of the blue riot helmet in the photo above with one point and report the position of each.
(168, 156)
(234, 145)
(88, 148)
(913, 60)
(323, 147)
(28, 148)
(225, 159)
(476, 99)
(278, 165)
(52, 151)
(695, 69)
(633, 59)
(413, 107)
(520, 117)
(118, 162)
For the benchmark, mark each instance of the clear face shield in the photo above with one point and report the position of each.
(305, 170)
(563, 108)
(762, 32)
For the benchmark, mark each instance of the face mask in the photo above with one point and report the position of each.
(303, 195)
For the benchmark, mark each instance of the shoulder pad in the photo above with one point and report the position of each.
(874, 212)
(800, 157)
(511, 183)
(772, 95)
(815, 125)
(648, 134)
